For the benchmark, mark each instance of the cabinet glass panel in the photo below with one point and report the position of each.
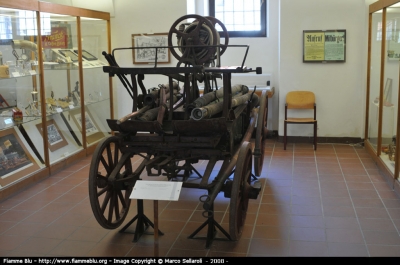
(95, 81)
(374, 82)
(391, 84)
(61, 81)
(20, 155)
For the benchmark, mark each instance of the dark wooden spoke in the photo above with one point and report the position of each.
(105, 202)
(105, 165)
(109, 156)
(122, 199)
(116, 206)
(101, 192)
(116, 155)
(111, 207)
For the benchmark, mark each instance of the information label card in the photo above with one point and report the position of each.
(156, 190)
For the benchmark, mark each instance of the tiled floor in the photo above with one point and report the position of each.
(332, 202)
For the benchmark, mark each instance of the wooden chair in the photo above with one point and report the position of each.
(300, 100)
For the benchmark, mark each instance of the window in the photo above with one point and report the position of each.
(27, 23)
(242, 18)
(5, 28)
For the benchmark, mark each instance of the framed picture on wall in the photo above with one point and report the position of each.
(143, 55)
(15, 160)
(55, 138)
(324, 46)
(93, 132)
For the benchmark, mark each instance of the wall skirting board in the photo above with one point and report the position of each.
(320, 140)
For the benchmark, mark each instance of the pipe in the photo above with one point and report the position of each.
(151, 114)
(211, 110)
(151, 97)
(27, 45)
(212, 96)
(133, 114)
(207, 98)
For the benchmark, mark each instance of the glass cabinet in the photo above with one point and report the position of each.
(50, 77)
(382, 127)
(97, 98)
(20, 90)
(374, 83)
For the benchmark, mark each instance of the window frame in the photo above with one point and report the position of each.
(244, 34)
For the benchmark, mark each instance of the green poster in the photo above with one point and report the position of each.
(334, 46)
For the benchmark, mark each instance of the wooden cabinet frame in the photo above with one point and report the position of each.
(39, 7)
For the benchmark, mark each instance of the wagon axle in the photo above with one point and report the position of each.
(251, 191)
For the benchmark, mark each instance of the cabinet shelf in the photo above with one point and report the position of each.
(75, 66)
(20, 76)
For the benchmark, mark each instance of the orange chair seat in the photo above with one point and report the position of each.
(302, 120)
(300, 100)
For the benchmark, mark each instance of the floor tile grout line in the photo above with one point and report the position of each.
(291, 195)
(21, 221)
(186, 223)
(291, 198)
(72, 172)
(25, 241)
(352, 203)
(259, 205)
(376, 190)
(322, 205)
(78, 227)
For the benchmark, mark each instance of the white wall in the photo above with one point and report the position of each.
(99, 5)
(132, 17)
(339, 87)
(135, 17)
(263, 52)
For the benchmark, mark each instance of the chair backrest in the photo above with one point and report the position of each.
(300, 100)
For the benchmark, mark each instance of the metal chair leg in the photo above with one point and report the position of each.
(315, 136)
(284, 136)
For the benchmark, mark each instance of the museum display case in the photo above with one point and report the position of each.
(97, 99)
(382, 127)
(50, 77)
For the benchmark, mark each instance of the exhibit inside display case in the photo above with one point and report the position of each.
(50, 77)
(382, 112)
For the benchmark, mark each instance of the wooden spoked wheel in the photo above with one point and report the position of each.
(240, 191)
(109, 199)
(260, 134)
